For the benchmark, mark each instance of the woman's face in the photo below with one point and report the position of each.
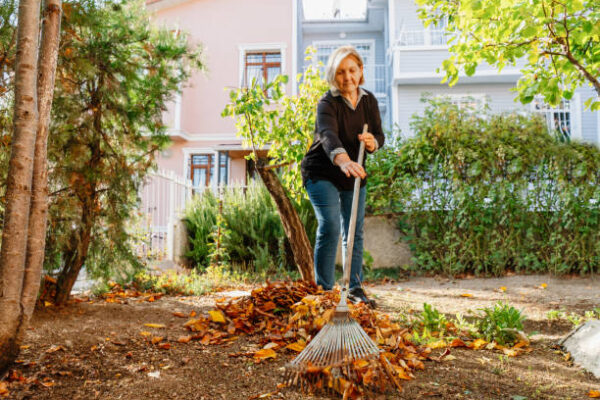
(348, 75)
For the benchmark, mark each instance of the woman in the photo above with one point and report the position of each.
(329, 167)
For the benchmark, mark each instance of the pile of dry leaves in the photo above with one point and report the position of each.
(288, 314)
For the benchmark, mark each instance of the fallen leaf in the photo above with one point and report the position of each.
(271, 345)
(25, 347)
(156, 339)
(264, 354)
(145, 333)
(155, 325)
(164, 346)
(437, 345)
(3, 388)
(466, 295)
(594, 394)
(184, 339)
(217, 316)
(297, 346)
(457, 343)
(179, 314)
(53, 349)
(477, 344)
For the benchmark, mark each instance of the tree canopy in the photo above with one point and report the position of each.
(558, 40)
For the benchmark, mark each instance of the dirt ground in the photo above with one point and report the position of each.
(95, 350)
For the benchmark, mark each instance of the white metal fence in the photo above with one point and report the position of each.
(163, 199)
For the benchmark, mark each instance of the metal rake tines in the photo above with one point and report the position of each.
(339, 342)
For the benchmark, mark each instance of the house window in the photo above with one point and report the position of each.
(263, 66)
(558, 119)
(223, 158)
(325, 49)
(200, 169)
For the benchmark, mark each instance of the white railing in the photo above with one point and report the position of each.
(164, 196)
(422, 38)
(375, 78)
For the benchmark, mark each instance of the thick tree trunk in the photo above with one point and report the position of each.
(18, 187)
(294, 230)
(36, 241)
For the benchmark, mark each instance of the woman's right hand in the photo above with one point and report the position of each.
(349, 167)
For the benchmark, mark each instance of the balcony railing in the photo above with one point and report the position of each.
(421, 38)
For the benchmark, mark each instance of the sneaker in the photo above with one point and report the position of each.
(357, 295)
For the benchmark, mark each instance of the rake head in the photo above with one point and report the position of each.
(340, 343)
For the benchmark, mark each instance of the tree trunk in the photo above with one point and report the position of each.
(18, 186)
(76, 254)
(36, 241)
(294, 230)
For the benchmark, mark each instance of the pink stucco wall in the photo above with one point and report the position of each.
(222, 27)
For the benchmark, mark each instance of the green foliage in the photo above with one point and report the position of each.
(252, 237)
(486, 193)
(500, 323)
(115, 74)
(266, 115)
(432, 320)
(558, 41)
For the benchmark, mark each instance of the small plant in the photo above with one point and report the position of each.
(500, 323)
(432, 320)
(555, 315)
(575, 319)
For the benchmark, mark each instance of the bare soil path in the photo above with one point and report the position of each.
(95, 350)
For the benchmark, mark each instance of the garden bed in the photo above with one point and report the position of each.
(95, 349)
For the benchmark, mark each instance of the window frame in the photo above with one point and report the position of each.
(264, 64)
(248, 48)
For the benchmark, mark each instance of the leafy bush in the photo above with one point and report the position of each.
(500, 323)
(486, 193)
(251, 235)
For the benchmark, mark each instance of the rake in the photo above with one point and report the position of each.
(342, 340)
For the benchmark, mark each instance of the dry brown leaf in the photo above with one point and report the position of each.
(156, 339)
(184, 339)
(297, 346)
(264, 354)
(157, 326)
(164, 346)
(217, 316)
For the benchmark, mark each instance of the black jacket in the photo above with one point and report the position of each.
(338, 126)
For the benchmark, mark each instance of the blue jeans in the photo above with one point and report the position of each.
(333, 208)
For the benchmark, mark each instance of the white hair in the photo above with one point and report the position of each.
(335, 60)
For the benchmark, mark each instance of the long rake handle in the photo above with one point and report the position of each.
(352, 225)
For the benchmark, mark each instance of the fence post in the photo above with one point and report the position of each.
(171, 217)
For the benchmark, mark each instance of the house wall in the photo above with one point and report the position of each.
(224, 28)
(414, 72)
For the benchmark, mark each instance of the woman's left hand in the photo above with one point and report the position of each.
(369, 140)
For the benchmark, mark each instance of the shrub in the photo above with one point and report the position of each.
(484, 193)
(251, 239)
